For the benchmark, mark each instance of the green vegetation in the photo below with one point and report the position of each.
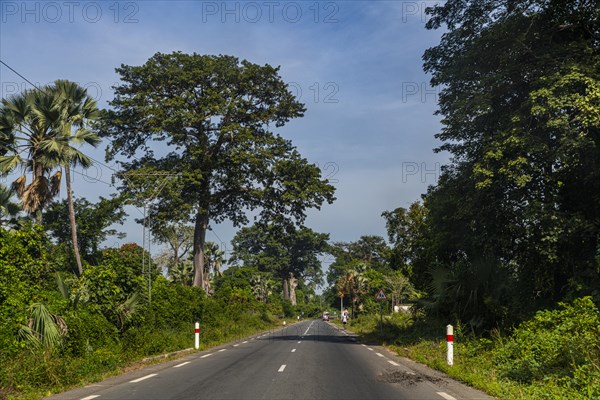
(72, 312)
(58, 330)
(506, 246)
(556, 355)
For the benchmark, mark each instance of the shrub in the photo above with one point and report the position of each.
(562, 344)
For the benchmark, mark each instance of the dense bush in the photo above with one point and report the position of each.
(562, 344)
(23, 267)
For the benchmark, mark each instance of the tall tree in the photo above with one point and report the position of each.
(521, 105)
(372, 251)
(289, 253)
(37, 135)
(213, 116)
(179, 238)
(28, 133)
(412, 247)
(76, 110)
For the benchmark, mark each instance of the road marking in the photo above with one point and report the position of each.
(370, 348)
(393, 363)
(181, 365)
(363, 345)
(311, 324)
(142, 378)
(207, 355)
(380, 355)
(446, 396)
(293, 350)
(91, 397)
(245, 342)
(281, 368)
(222, 350)
(299, 341)
(236, 345)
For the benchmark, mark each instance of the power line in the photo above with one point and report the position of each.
(13, 70)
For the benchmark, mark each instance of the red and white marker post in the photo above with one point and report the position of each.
(450, 342)
(197, 336)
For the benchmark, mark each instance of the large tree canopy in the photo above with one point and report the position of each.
(218, 157)
(286, 252)
(517, 213)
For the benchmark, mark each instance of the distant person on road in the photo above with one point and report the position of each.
(345, 317)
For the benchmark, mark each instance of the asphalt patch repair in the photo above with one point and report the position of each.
(405, 378)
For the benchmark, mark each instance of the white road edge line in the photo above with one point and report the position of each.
(91, 397)
(446, 396)
(142, 378)
(393, 363)
(370, 348)
(206, 355)
(281, 368)
(181, 365)
(293, 350)
(380, 355)
(236, 345)
(245, 342)
(222, 350)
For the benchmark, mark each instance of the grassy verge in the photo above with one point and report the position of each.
(476, 360)
(32, 376)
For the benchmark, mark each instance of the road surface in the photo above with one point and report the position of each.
(308, 360)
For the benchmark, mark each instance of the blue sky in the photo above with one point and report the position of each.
(356, 65)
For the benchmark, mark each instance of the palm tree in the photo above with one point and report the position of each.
(76, 109)
(36, 128)
(353, 283)
(213, 260)
(262, 286)
(28, 123)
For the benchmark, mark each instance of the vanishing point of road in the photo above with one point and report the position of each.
(308, 360)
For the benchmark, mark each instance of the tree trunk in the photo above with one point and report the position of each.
(72, 220)
(199, 240)
(286, 293)
(293, 282)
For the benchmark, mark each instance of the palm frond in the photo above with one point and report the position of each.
(9, 163)
(36, 194)
(44, 330)
(55, 185)
(18, 186)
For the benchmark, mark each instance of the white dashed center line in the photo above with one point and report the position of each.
(222, 350)
(299, 341)
(207, 355)
(281, 368)
(142, 378)
(370, 348)
(393, 363)
(236, 345)
(380, 355)
(181, 365)
(293, 350)
(309, 327)
(446, 396)
(245, 342)
(91, 397)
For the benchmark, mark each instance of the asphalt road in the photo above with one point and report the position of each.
(308, 360)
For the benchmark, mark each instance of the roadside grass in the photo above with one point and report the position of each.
(32, 376)
(479, 363)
